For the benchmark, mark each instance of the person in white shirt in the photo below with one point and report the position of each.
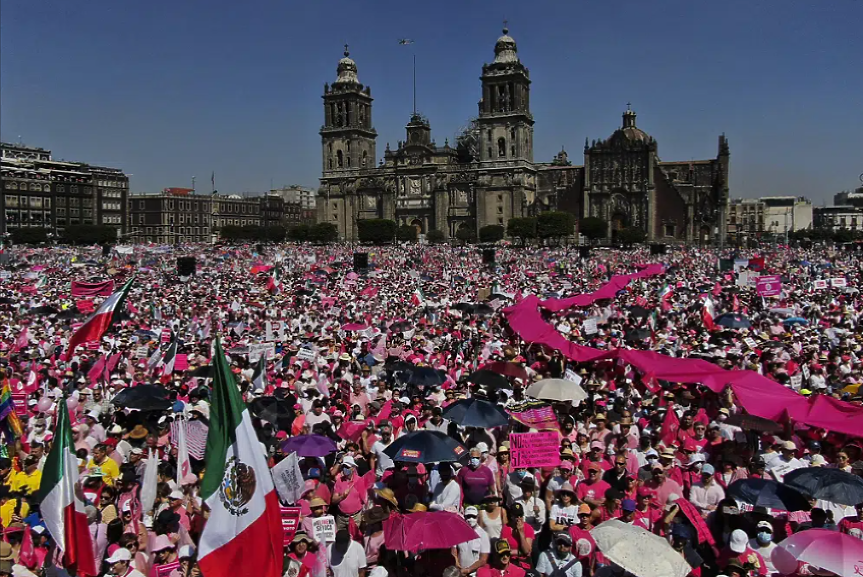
(763, 544)
(558, 560)
(473, 554)
(446, 495)
(380, 460)
(707, 493)
(533, 506)
(346, 557)
(119, 564)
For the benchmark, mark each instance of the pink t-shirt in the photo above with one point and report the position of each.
(353, 503)
(595, 491)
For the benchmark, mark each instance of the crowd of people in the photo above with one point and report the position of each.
(362, 359)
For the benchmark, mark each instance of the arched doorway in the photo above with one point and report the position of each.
(417, 224)
(619, 221)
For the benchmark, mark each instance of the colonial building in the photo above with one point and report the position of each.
(489, 175)
(39, 191)
(299, 204)
(173, 216)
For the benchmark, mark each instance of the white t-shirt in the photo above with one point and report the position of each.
(349, 564)
(384, 461)
(468, 553)
(564, 515)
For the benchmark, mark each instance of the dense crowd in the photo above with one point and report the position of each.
(652, 477)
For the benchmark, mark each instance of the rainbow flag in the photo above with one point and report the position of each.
(9, 421)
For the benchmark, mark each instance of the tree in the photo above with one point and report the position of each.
(524, 229)
(376, 230)
(631, 235)
(323, 232)
(435, 237)
(406, 233)
(466, 234)
(842, 235)
(274, 233)
(300, 233)
(89, 234)
(491, 233)
(554, 225)
(593, 227)
(36, 235)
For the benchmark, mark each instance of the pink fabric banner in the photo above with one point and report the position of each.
(92, 289)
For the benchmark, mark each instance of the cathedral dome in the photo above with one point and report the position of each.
(505, 49)
(347, 70)
(630, 131)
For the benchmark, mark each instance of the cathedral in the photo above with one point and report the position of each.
(489, 176)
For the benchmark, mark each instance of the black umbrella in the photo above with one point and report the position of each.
(753, 423)
(400, 326)
(203, 372)
(425, 447)
(143, 398)
(273, 410)
(399, 366)
(304, 293)
(476, 413)
(68, 314)
(498, 296)
(489, 379)
(636, 335)
(733, 321)
(768, 493)
(425, 377)
(482, 309)
(463, 307)
(43, 310)
(638, 312)
(834, 485)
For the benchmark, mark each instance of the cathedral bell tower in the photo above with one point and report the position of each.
(347, 136)
(505, 122)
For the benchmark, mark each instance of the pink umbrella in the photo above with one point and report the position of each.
(426, 530)
(830, 550)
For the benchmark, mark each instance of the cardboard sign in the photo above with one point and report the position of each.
(750, 342)
(142, 352)
(805, 370)
(769, 286)
(819, 284)
(255, 351)
(324, 529)
(290, 523)
(589, 326)
(781, 469)
(838, 282)
(534, 449)
(306, 354)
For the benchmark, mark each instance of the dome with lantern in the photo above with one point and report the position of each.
(505, 50)
(347, 70)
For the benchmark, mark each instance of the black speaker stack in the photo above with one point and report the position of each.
(488, 256)
(584, 252)
(361, 261)
(186, 265)
(657, 249)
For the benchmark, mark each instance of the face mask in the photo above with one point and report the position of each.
(347, 471)
(561, 554)
(765, 537)
(471, 521)
(474, 461)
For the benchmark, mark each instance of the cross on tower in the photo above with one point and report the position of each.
(346, 50)
(505, 26)
(628, 104)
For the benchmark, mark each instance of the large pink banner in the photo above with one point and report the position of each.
(768, 286)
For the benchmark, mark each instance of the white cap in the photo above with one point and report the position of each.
(94, 414)
(348, 460)
(120, 555)
(483, 448)
(471, 511)
(739, 540)
(176, 494)
(186, 551)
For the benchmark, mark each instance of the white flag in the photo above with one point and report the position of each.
(151, 479)
(184, 465)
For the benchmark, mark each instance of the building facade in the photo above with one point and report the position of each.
(489, 175)
(300, 204)
(753, 218)
(38, 191)
(170, 217)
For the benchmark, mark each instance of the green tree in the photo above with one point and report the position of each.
(491, 233)
(524, 229)
(89, 234)
(630, 235)
(843, 235)
(593, 227)
(406, 233)
(300, 233)
(275, 233)
(231, 232)
(376, 230)
(554, 225)
(36, 235)
(466, 234)
(435, 237)
(323, 232)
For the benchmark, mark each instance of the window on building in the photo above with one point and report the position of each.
(501, 148)
(339, 158)
(365, 158)
(669, 230)
(512, 151)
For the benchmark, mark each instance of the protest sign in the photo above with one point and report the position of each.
(838, 282)
(255, 351)
(796, 381)
(534, 449)
(288, 478)
(589, 326)
(290, 523)
(819, 284)
(305, 354)
(324, 529)
(534, 414)
(768, 286)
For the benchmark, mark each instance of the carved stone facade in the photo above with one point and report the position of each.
(490, 176)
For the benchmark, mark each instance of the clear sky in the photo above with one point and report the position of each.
(168, 89)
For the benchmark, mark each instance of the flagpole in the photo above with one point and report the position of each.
(415, 83)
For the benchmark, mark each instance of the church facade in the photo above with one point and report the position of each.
(489, 176)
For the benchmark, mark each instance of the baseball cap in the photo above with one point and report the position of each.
(567, 466)
(707, 469)
(563, 538)
(517, 510)
(584, 509)
(471, 512)
(628, 505)
(738, 541)
(502, 547)
(119, 555)
(765, 525)
(348, 460)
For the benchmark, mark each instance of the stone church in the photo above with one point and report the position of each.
(489, 175)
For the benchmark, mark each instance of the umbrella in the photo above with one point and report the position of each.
(635, 335)
(753, 423)
(556, 390)
(513, 370)
(830, 550)
(489, 378)
(768, 493)
(400, 326)
(834, 485)
(638, 551)
(482, 309)
(425, 377)
(795, 321)
(637, 311)
(733, 321)
(309, 446)
(43, 310)
(426, 530)
(143, 398)
(203, 372)
(274, 411)
(476, 413)
(425, 447)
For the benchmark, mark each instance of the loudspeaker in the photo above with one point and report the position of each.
(259, 248)
(488, 256)
(361, 261)
(186, 265)
(106, 250)
(657, 249)
(584, 252)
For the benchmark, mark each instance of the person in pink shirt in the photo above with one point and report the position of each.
(663, 485)
(592, 490)
(595, 456)
(349, 495)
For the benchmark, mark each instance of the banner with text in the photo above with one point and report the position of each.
(534, 449)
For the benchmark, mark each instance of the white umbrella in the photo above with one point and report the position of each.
(556, 390)
(638, 550)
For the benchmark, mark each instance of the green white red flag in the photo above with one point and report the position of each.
(244, 527)
(98, 324)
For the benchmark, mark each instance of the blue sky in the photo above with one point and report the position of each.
(171, 89)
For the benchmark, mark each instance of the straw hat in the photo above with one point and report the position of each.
(387, 495)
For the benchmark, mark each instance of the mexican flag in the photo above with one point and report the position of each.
(665, 292)
(98, 324)
(62, 507)
(43, 280)
(708, 313)
(418, 298)
(244, 528)
(170, 357)
(259, 378)
(274, 284)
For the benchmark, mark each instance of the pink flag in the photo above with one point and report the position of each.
(97, 370)
(23, 340)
